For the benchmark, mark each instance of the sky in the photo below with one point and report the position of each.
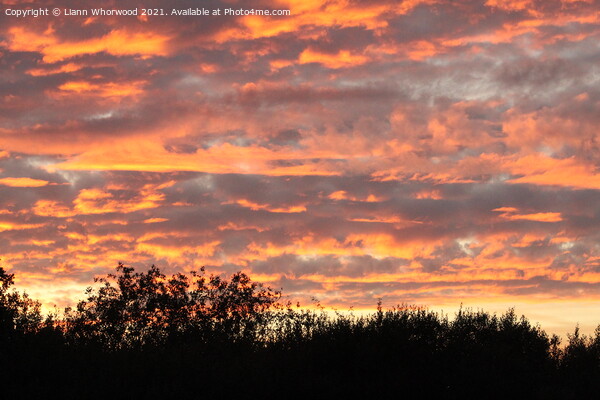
(428, 152)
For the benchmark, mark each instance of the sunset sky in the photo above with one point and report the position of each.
(421, 151)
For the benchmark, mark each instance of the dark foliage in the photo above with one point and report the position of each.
(134, 310)
(144, 334)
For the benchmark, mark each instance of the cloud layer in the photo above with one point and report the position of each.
(416, 151)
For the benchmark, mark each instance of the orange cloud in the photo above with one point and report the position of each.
(542, 170)
(119, 42)
(512, 214)
(201, 252)
(103, 90)
(154, 220)
(343, 195)
(70, 67)
(14, 226)
(378, 245)
(49, 208)
(132, 155)
(23, 182)
(341, 59)
(267, 207)
(98, 201)
(308, 17)
(510, 5)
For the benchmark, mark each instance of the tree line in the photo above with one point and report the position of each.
(149, 334)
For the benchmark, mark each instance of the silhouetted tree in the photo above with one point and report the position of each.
(132, 309)
(19, 314)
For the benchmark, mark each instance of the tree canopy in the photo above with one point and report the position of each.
(132, 309)
(19, 314)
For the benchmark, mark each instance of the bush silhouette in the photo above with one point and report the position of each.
(154, 335)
